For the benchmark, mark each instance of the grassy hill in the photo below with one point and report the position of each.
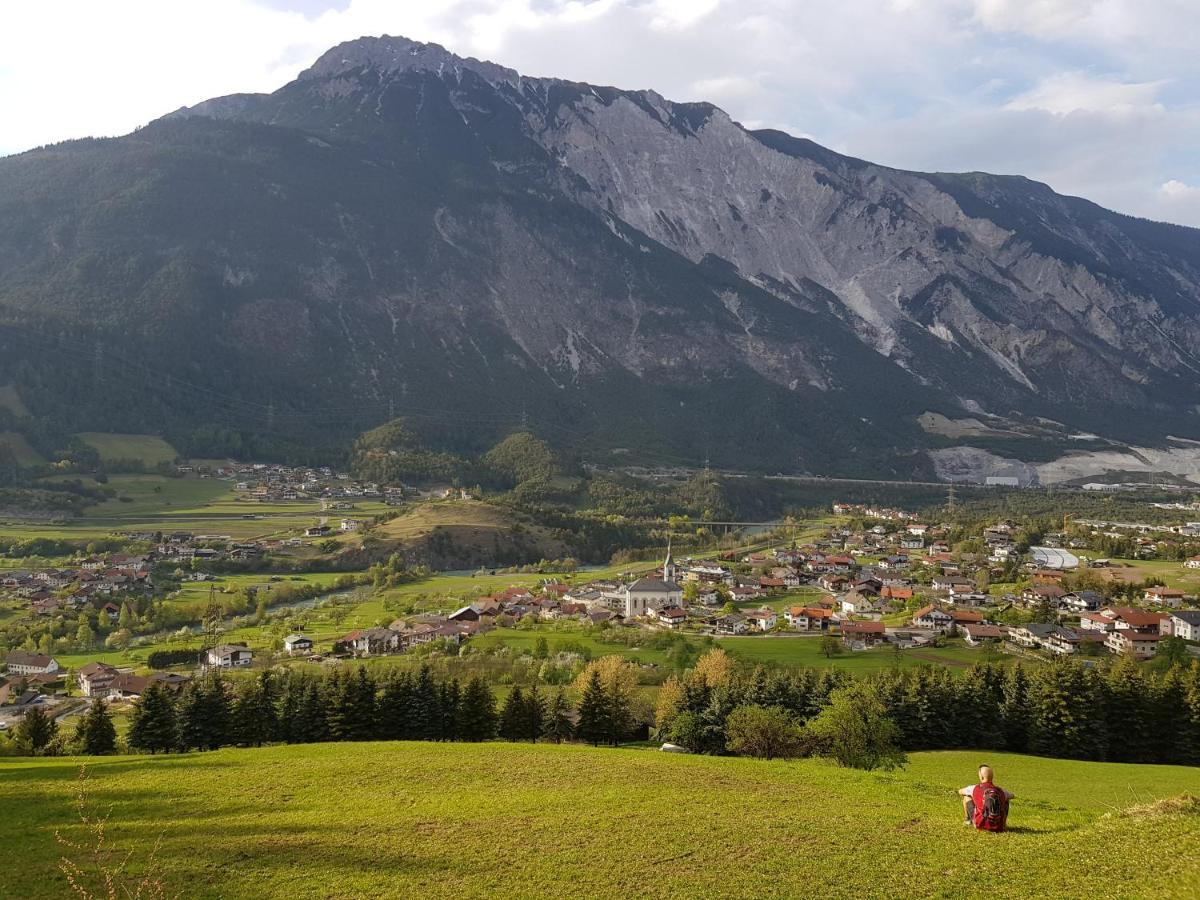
(23, 451)
(503, 820)
(149, 449)
(459, 534)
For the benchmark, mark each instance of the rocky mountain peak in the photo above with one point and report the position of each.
(394, 54)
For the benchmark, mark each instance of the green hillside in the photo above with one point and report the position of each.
(149, 449)
(505, 820)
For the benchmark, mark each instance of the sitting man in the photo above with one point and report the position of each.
(985, 805)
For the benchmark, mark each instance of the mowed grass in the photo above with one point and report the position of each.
(506, 820)
(525, 639)
(1173, 574)
(806, 652)
(149, 449)
(150, 495)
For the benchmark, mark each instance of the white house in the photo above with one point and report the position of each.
(227, 656)
(297, 643)
(20, 662)
(95, 679)
(762, 619)
(932, 617)
(1141, 645)
(1185, 623)
(734, 623)
(1164, 596)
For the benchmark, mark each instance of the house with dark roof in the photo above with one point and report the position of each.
(647, 595)
(226, 656)
(1184, 623)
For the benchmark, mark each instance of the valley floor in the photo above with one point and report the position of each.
(505, 820)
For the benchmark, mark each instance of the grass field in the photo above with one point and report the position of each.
(1172, 573)
(806, 652)
(149, 449)
(500, 820)
(24, 454)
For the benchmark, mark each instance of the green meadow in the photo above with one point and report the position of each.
(510, 820)
(149, 449)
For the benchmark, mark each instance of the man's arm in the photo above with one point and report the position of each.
(1009, 794)
(967, 791)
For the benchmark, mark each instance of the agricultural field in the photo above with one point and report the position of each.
(805, 652)
(149, 449)
(1173, 574)
(406, 819)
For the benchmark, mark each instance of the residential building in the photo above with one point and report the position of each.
(1164, 596)
(734, 623)
(978, 635)
(226, 656)
(1141, 645)
(762, 619)
(1185, 623)
(20, 662)
(863, 634)
(932, 617)
(297, 643)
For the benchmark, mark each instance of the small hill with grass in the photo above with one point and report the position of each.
(516, 820)
(145, 448)
(462, 534)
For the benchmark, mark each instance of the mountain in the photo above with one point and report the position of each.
(402, 231)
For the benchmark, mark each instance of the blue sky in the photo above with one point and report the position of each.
(1098, 98)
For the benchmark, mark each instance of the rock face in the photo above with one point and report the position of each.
(402, 230)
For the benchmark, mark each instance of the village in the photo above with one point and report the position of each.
(898, 584)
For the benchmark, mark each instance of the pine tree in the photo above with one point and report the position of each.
(190, 726)
(595, 724)
(203, 715)
(425, 715)
(254, 712)
(1014, 709)
(477, 717)
(36, 731)
(312, 721)
(511, 715)
(351, 697)
(533, 715)
(556, 726)
(1169, 731)
(392, 708)
(449, 699)
(153, 722)
(94, 733)
(1128, 711)
(620, 714)
(218, 711)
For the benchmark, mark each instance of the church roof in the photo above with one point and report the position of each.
(654, 585)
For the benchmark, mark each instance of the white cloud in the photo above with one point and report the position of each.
(1072, 92)
(1008, 85)
(1177, 190)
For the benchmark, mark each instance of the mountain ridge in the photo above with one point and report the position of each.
(422, 221)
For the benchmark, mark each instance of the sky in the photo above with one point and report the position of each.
(1098, 98)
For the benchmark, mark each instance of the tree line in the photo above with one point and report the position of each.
(1122, 713)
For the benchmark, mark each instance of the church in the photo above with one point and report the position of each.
(650, 594)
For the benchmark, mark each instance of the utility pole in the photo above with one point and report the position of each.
(950, 497)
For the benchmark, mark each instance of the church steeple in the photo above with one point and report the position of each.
(669, 564)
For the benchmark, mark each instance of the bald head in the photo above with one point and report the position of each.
(985, 773)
